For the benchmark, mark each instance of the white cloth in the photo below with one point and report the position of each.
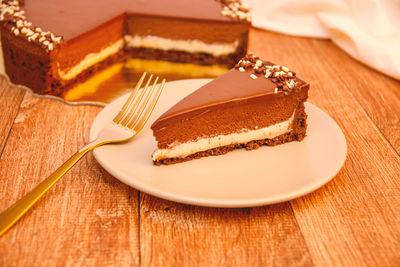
(368, 30)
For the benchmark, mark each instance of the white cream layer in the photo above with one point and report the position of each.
(191, 46)
(185, 149)
(91, 59)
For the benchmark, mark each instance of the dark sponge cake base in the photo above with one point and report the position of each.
(186, 57)
(298, 133)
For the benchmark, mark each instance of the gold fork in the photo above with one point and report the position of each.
(126, 124)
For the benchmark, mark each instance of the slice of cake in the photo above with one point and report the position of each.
(49, 45)
(256, 103)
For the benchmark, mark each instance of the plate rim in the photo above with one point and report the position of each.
(218, 203)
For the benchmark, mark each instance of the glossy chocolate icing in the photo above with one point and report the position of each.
(230, 88)
(73, 17)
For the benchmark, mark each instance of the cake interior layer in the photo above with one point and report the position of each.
(230, 117)
(181, 150)
(217, 39)
(75, 51)
(90, 60)
(190, 46)
(208, 32)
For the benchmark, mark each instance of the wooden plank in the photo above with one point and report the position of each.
(356, 216)
(354, 220)
(378, 94)
(328, 89)
(10, 100)
(87, 218)
(174, 234)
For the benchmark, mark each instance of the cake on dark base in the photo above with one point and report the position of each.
(49, 45)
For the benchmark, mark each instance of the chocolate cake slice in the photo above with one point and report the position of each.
(49, 45)
(256, 103)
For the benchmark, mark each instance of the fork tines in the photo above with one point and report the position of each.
(140, 104)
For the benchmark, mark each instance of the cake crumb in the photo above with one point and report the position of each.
(253, 76)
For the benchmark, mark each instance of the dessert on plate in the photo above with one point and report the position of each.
(49, 45)
(256, 103)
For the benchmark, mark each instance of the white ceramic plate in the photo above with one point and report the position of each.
(238, 179)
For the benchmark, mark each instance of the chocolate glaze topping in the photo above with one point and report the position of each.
(69, 19)
(234, 86)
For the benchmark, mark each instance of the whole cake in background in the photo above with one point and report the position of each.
(49, 45)
(256, 103)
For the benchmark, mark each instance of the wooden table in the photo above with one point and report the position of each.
(90, 218)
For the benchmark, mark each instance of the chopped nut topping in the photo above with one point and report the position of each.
(280, 75)
(235, 9)
(33, 37)
(20, 24)
(29, 32)
(285, 69)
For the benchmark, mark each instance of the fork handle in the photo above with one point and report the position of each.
(14, 212)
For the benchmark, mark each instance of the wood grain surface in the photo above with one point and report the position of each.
(91, 219)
